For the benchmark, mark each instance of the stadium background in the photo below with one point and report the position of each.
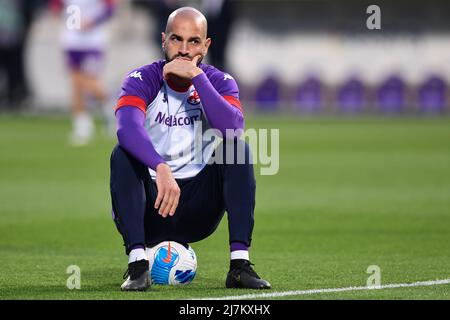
(364, 154)
(322, 47)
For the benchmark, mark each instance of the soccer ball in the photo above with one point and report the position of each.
(171, 263)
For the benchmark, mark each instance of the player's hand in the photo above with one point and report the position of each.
(168, 191)
(182, 68)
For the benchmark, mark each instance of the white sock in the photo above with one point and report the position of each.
(83, 125)
(239, 254)
(109, 118)
(136, 255)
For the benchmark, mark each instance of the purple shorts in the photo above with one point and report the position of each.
(88, 61)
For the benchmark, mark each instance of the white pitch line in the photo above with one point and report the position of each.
(313, 291)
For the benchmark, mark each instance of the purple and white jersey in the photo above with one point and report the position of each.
(175, 118)
(78, 12)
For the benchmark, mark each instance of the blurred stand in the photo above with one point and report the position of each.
(432, 95)
(15, 20)
(321, 56)
(391, 95)
(309, 97)
(158, 11)
(220, 15)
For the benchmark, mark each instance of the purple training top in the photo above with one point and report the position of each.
(151, 113)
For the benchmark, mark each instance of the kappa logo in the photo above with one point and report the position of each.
(226, 76)
(194, 98)
(136, 74)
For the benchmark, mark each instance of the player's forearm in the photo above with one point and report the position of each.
(220, 113)
(134, 138)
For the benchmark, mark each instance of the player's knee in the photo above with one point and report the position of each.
(117, 154)
(121, 159)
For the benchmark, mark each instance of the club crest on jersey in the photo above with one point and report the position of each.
(194, 98)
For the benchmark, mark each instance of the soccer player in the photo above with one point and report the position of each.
(84, 46)
(163, 186)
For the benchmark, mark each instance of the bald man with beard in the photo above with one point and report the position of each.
(170, 180)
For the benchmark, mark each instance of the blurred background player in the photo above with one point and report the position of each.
(83, 41)
(15, 22)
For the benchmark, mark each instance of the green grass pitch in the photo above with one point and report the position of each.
(350, 193)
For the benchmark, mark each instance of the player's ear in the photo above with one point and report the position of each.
(163, 39)
(207, 44)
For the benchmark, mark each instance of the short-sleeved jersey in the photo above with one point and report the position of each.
(175, 120)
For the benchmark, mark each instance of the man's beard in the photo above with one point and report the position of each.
(167, 57)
